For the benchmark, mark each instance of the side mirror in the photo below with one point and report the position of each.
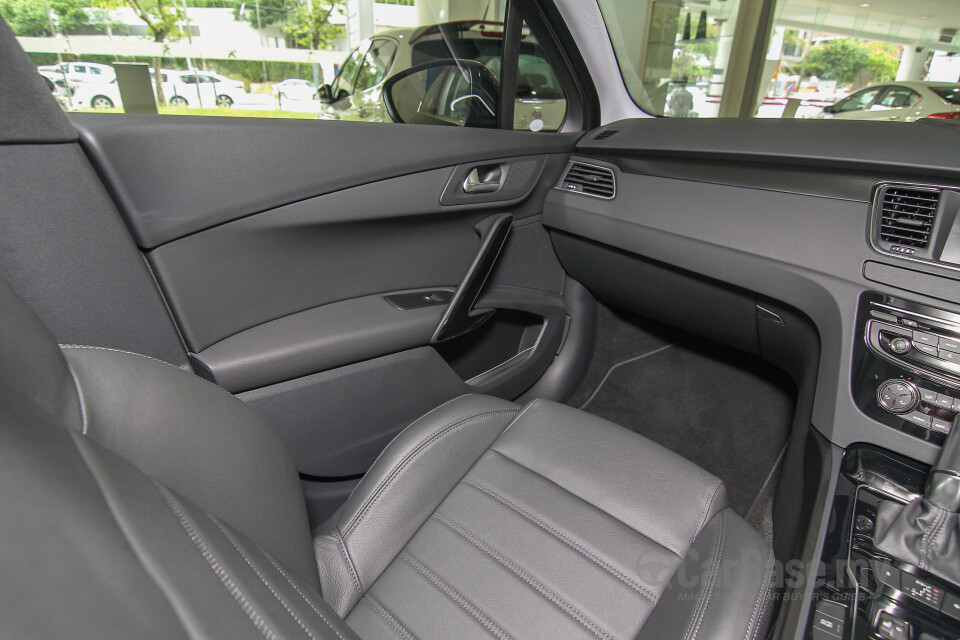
(324, 93)
(830, 108)
(460, 93)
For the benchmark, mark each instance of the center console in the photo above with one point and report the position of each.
(906, 376)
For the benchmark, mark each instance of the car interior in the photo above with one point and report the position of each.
(637, 378)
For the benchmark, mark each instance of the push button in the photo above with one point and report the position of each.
(917, 418)
(951, 606)
(890, 627)
(887, 575)
(949, 356)
(949, 344)
(828, 620)
(927, 349)
(929, 397)
(909, 323)
(944, 401)
(925, 338)
(940, 426)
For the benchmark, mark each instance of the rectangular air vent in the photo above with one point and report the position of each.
(906, 216)
(603, 135)
(589, 180)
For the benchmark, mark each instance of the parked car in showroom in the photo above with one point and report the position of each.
(356, 92)
(81, 71)
(193, 89)
(898, 101)
(295, 89)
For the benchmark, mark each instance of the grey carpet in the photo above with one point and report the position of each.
(725, 410)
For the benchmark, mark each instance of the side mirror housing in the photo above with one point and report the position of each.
(460, 93)
(324, 92)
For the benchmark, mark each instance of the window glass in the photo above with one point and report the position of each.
(898, 98)
(343, 84)
(375, 64)
(685, 58)
(950, 95)
(275, 58)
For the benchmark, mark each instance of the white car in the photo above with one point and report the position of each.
(898, 101)
(194, 89)
(295, 89)
(80, 71)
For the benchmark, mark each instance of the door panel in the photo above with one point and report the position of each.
(282, 276)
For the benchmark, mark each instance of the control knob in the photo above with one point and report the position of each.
(900, 345)
(898, 396)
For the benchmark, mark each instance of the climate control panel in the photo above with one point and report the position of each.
(923, 407)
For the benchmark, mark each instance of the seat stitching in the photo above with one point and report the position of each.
(516, 418)
(346, 556)
(383, 451)
(587, 502)
(644, 591)
(134, 353)
(456, 596)
(422, 446)
(518, 571)
(756, 616)
(714, 570)
(260, 575)
(302, 594)
(389, 618)
(218, 569)
(706, 507)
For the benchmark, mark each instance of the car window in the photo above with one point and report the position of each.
(785, 58)
(288, 59)
(348, 73)
(858, 101)
(375, 64)
(950, 95)
(898, 98)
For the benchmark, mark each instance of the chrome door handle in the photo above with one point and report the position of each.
(485, 179)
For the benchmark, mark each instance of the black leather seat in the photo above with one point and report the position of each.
(138, 500)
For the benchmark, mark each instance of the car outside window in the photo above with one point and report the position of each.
(858, 101)
(898, 98)
(375, 64)
(343, 84)
(950, 95)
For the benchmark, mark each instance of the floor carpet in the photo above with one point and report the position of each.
(725, 410)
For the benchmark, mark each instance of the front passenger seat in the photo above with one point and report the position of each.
(139, 500)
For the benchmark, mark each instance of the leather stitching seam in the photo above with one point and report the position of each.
(706, 507)
(448, 590)
(516, 570)
(302, 595)
(715, 557)
(516, 419)
(644, 591)
(422, 446)
(586, 502)
(389, 618)
(755, 615)
(346, 556)
(218, 569)
(263, 579)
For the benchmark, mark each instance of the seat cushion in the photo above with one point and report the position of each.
(484, 518)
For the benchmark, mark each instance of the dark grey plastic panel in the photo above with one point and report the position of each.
(806, 251)
(64, 248)
(204, 171)
(344, 245)
(851, 145)
(913, 280)
(317, 340)
(336, 423)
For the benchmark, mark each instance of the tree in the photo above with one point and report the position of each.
(843, 58)
(29, 17)
(309, 23)
(163, 19)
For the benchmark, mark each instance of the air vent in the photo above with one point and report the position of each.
(603, 135)
(589, 180)
(906, 216)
